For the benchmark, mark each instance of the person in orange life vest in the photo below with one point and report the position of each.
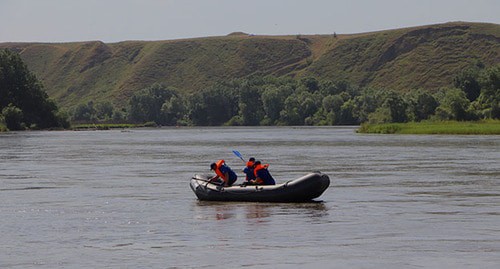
(223, 172)
(262, 175)
(248, 170)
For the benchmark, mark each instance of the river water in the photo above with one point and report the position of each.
(121, 199)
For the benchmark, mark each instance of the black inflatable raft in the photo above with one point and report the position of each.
(302, 189)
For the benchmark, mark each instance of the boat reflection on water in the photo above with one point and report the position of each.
(207, 210)
(257, 211)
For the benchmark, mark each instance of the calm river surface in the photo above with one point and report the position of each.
(121, 199)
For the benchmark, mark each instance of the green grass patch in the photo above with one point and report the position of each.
(490, 127)
(3, 128)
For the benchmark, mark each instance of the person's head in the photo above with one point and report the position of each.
(213, 166)
(250, 162)
(256, 163)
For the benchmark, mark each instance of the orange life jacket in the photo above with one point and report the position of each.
(218, 165)
(261, 165)
(258, 167)
(259, 180)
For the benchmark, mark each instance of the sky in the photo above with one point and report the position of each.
(120, 20)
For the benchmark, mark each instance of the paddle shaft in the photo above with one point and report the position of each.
(204, 180)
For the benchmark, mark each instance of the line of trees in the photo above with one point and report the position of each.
(23, 102)
(474, 95)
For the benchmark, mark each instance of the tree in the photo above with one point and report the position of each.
(311, 84)
(490, 93)
(328, 87)
(146, 105)
(213, 106)
(290, 115)
(372, 105)
(381, 115)
(467, 80)
(104, 110)
(453, 105)
(173, 110)
(367, 101)
(330, 110)
(250, 105)
(119, 116)
(346, 116)
(299, 106)
(3, 127)
(332, 103)
(422, 105)
(425, 106)
(13, 117)
(397, 107)
(273, 101)
(21, 88)
(84, 112)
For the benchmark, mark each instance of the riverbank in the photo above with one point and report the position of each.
(489, 127)
(97, 126)
(108, 126)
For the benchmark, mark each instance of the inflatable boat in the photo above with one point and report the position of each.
(302, 189)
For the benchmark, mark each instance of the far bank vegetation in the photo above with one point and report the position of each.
(474, 95)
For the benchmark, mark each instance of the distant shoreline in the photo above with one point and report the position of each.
(489, 127)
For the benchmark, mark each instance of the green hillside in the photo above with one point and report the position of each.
(424, 57)
(421, 57)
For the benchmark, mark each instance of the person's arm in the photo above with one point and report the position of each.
(258, 179)
(245, 171)
(213, 178)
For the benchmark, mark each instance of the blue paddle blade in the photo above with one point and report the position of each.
(238, 154)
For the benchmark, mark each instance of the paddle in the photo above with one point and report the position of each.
(238, 154)
(207, 181)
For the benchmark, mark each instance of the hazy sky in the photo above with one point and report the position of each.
(118, 20)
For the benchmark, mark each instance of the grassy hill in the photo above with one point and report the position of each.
(421, 57)
(424, 57)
